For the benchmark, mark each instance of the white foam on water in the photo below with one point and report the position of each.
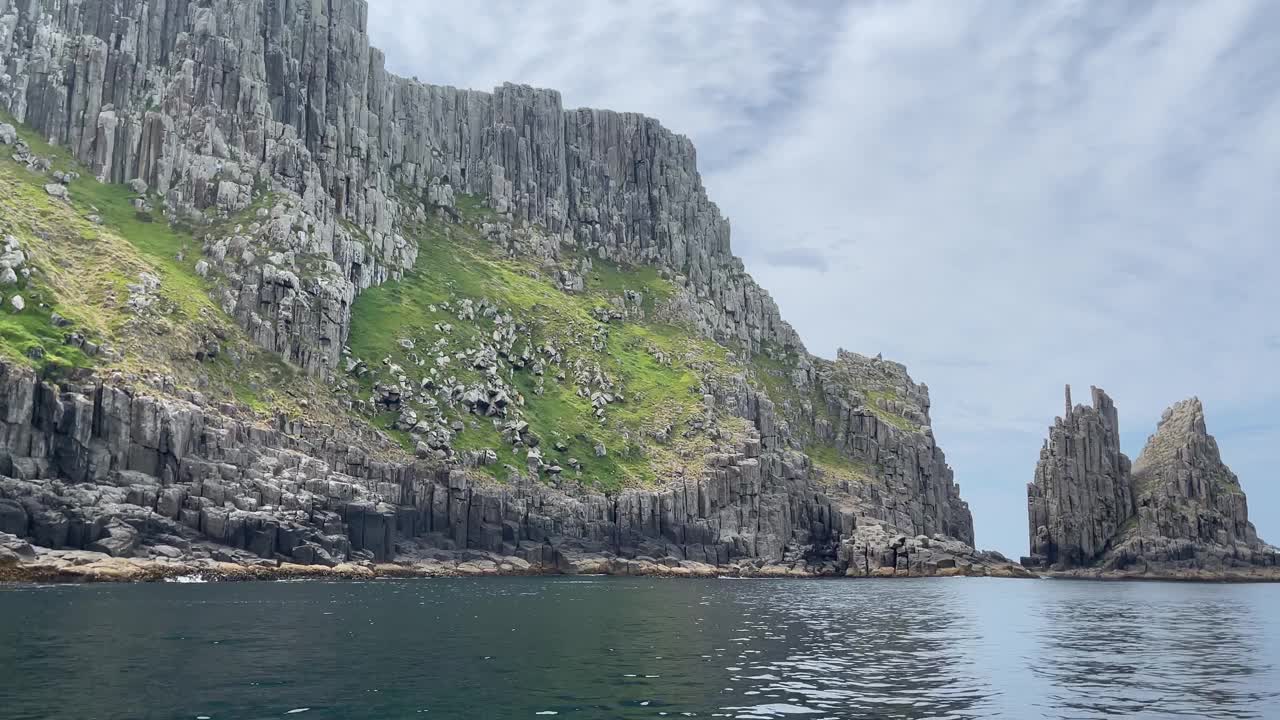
(295, 711)
(186, 579)
(774, 709)
(546, 712)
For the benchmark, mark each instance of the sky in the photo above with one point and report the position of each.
(1004, 196)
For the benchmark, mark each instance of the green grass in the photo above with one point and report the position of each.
(874, 397)
(835, 467)
(454, 263)
(473, 208)
(773, 371)
(173, 253)
(608, 279)
(82, 269)
(30, 337)
(659, 370)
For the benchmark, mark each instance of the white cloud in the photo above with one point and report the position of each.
(1005, 196)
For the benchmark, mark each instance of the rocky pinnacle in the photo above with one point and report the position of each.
(1178, 508)
(1082, 492)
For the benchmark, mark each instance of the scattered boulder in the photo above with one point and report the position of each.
(120, 540)
(16, 547)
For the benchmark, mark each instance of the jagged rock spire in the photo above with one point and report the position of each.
(1082, 491)
(1186, 491)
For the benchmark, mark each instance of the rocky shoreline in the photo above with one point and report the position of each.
(22, 562)
(1237, 575)
(78, 566)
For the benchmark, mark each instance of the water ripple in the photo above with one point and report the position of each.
(641, 648)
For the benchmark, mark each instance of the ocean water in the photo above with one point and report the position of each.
(591, 647)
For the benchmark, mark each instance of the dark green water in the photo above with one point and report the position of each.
(641, 648)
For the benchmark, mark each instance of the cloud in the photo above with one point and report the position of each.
(801, 258)
(1004, 196)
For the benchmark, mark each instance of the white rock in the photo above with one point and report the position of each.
(18, 303)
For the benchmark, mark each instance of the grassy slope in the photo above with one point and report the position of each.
(82, 269)
(454, 264)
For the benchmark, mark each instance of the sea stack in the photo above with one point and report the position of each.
(1177, 510)
(1082, 492)
(1191, 510)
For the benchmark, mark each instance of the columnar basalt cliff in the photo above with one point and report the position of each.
(876, 416)
(137, 472)
(1191, 510)
(1082, 493)
(314, 179)
(1177, 509)
(202, 101)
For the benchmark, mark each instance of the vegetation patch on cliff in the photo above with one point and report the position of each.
(106, 285)
(483, 353)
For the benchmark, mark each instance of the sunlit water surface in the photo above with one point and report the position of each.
(641, 648)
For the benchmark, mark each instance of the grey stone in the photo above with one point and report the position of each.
(17, 547)
(120, 540)
(1082, 493)
(13, 518)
